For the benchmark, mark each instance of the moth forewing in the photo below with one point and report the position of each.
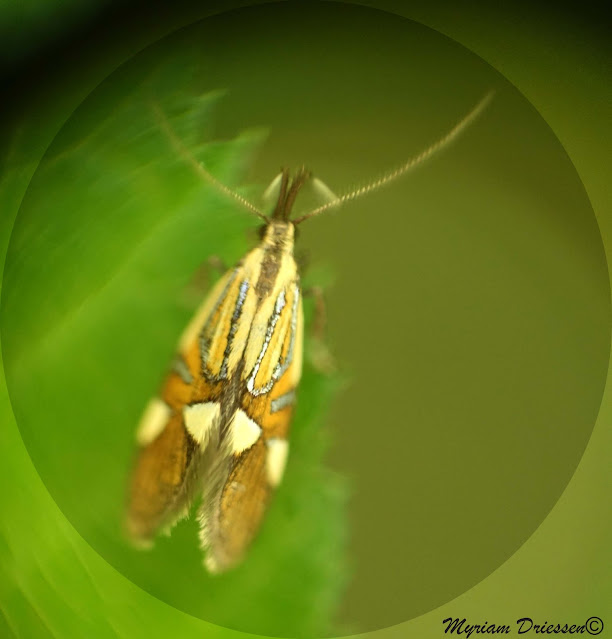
(171, 436)
(238, 490)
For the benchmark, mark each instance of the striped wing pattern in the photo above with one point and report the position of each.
(221, 422)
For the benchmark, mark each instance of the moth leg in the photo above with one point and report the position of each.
(216, 263)
(302, 259)
(319, 353)
(200, 282)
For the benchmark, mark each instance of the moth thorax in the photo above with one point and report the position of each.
(279, 237)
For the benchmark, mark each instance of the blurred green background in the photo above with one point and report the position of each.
(468, 308)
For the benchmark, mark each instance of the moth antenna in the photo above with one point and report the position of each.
(271, 193)
(409, 165)
(198, 167)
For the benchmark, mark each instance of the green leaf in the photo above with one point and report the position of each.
(113, 226)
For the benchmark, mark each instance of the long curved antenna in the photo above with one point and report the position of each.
(411, 164)
(186, 155)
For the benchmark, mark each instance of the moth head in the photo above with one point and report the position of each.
(289, 187)
(280, 227)
(284, 190)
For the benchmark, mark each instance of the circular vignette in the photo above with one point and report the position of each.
(483, 312)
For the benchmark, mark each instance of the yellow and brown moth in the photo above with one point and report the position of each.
(220, 426)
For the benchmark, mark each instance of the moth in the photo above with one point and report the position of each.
(219, 428)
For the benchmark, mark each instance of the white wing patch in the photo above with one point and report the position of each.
(276, 459)
(201, 419)
(153, 421)
(244, 432)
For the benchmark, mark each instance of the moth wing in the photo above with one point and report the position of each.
(173, 434)
(240, 484)
(233, 507)
(169, 462)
